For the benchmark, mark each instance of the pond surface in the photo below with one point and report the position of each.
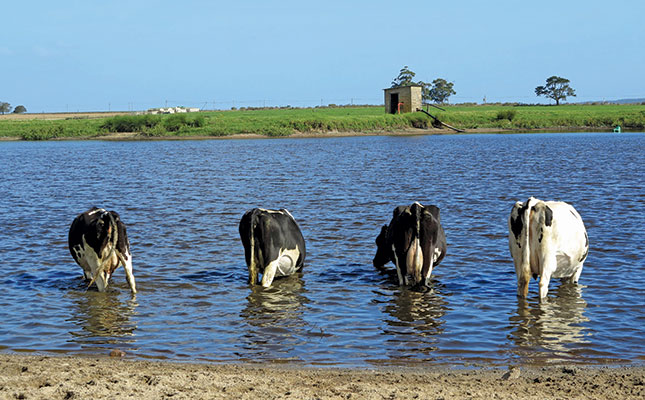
(182, 202)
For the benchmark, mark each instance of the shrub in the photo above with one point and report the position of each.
(417, 120)
(177, 122)
(505, 114)
(155, 131)
(52, 132)
(174, 122)
(130, 123)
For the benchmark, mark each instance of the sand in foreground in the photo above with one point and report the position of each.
(44, 377)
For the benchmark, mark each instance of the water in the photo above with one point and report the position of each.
(182, 202)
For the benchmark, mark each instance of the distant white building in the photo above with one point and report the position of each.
(172, 110)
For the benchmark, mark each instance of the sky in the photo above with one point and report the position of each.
(89, 55)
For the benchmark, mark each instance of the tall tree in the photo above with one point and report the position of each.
(439, 91)
(556, 88)
(5, 107)
(404, 78)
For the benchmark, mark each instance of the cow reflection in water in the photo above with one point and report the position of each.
(413, 320)
(103, 317)
(274, 316)
(556, 326)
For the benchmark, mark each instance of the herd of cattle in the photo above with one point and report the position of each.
(547, 239)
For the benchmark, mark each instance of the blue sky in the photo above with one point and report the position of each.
(133, 55)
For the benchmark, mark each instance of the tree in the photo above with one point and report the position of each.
(19, 110)
(404, 78)
(439, 91)
(5, 107)
(556, 88)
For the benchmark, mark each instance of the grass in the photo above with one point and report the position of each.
(545, 117)
(286, 121)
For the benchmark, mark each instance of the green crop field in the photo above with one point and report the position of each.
(367, 119)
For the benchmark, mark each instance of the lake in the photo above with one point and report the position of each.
(182, 202)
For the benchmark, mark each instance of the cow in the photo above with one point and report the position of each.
(99, 244)
(414, 241)
(273, 244)
(548, 240)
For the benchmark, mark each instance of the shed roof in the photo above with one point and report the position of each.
(403, 87)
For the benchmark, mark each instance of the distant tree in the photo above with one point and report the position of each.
(5, 107)
(439, 91)
(404, 78)
(556, 88)
(19, 110)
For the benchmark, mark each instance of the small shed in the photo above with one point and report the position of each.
(403, 99)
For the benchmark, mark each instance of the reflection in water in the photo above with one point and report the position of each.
(275, 320)
(554, 327)
(103, 318)
(413, 320)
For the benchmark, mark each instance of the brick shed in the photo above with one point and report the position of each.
(403, 98)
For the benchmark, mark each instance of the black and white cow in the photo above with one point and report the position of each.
(99, 243)
(273, 244)
(547, 239)
(414, 241)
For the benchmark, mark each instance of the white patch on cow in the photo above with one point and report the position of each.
(284, 265)
(79, 252)
(436, 254)
(96, 267)
(92, 264)
(273, 211)
(98, 210)
(414, 260)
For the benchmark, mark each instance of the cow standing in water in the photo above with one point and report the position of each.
(99, 243)
(414, 241)
(548, 240)
(273, 244)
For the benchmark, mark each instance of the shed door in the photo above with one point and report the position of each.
(394, 103)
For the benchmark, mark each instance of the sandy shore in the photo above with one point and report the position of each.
(46, 377)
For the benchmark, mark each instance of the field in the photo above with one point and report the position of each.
(323, 120)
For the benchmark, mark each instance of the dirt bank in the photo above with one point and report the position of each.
(44, 377)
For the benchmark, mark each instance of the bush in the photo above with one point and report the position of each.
(155, 131)
(177, 122)
(130, 123)
(505, 114)
(52, 132)
(417, 120)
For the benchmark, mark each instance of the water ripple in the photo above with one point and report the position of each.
(182, 202)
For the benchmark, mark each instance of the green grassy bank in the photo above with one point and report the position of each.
(284, 122)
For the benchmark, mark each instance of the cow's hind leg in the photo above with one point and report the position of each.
(269, 273)
(548, 265)
(523, 286)
(129, 275)
(545, 279)
(575, 277)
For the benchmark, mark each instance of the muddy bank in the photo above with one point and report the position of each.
(45, 377)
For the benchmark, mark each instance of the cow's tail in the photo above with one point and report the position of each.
(415, 254)
(253, 264)
(525, 265)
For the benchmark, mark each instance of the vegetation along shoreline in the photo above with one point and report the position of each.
(321, 121)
